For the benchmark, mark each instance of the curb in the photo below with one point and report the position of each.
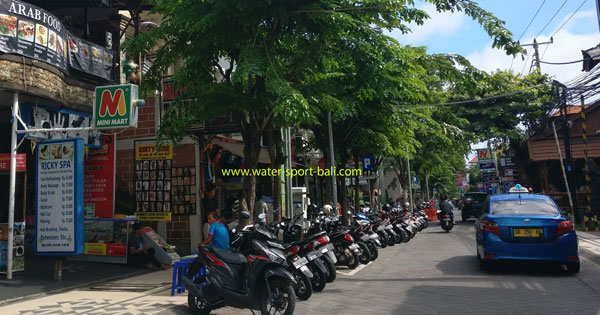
(73, 287)
(589, 255)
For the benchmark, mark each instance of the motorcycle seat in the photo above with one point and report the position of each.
(229, 257)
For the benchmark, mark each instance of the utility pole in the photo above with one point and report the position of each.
(536, 45)
(598, 12)
(331, 152)
(410, 192)
(567, 142)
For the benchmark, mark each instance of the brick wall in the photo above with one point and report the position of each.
(146, 123)
(178, 230)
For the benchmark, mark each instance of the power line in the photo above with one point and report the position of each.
(533, 18)
(567, 62)
(552, 18)
(565, 23)
(476, 100)
(525, 30)
(525, 64)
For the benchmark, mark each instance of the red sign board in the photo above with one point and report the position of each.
(118, 250)
(5, 162)
(99, 179)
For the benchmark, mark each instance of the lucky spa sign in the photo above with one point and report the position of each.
(59, 197)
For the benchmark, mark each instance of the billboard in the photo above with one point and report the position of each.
(59, 197)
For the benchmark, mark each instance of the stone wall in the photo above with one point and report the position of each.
(43, 80)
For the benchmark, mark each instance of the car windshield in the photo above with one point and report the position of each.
(476, 197)
(523, 207)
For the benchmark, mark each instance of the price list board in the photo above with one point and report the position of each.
(59, 197)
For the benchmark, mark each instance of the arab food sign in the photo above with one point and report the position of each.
(30, 31)
(484, 156)
(115, 106)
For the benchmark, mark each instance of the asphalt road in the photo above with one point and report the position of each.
(435, 273)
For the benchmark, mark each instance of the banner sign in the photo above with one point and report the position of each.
(153, 174)
(5, 162)
(114, 106)
(59, 197)
(45, 117)
(90, 58)
(487, 165)
(151, 152)
(99, 180)
(30, 31)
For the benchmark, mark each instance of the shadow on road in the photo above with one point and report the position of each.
(462, 265)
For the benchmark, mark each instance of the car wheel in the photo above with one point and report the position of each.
(573, 267)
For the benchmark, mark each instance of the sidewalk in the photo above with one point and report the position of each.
(589, 245)
(149, 293)
(37, 279)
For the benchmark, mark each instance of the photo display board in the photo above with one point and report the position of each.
(183, 193)
(152, 179)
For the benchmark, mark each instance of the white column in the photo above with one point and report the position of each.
(11, 190)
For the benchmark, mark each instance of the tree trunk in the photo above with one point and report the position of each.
(252, 148)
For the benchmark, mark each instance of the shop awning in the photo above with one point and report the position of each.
(237, 147)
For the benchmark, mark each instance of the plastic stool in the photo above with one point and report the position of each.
(180, 268)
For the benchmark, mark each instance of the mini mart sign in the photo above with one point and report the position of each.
(484, 156)
(115, 106)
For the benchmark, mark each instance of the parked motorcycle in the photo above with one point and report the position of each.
(218, 278)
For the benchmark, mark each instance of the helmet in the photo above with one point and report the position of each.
(327, 209)
(406, 204)
(386, 207)
(444, 197)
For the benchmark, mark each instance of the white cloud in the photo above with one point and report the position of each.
(567, 46)
(444, 23)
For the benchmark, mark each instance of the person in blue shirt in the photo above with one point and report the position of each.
(218, 236)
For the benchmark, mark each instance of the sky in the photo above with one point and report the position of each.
(458, 33)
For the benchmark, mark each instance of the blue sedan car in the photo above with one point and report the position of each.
(525, 226)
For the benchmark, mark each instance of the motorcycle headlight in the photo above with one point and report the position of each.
(274, 254)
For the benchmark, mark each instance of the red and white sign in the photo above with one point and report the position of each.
(5, 162)
(99, 178)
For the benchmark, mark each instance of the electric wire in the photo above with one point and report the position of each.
(526, 28)
(533, 18)
(560, 27)
(552, 18)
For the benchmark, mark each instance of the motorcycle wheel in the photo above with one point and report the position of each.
(426, 222)
(283, 299)
(332, 271)
(318, 280)
(398, 238)
(197, 307)
(373, 250)
(382, 240)
(303, 287)
(353, 259)
(390, 240)
(405, 236)
(365, 256)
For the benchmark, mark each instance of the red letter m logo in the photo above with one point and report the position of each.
(484, 154)
(112, 103)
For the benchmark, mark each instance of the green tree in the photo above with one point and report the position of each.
(252, 58)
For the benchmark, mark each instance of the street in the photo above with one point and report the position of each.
(435, 273)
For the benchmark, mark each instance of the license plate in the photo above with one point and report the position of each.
(329, 246)
(332, 256)
(324, 250)
(365, 237)
(528, 232)
(311, 256)
(300, 262)
(374, 236)
(353, 246)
